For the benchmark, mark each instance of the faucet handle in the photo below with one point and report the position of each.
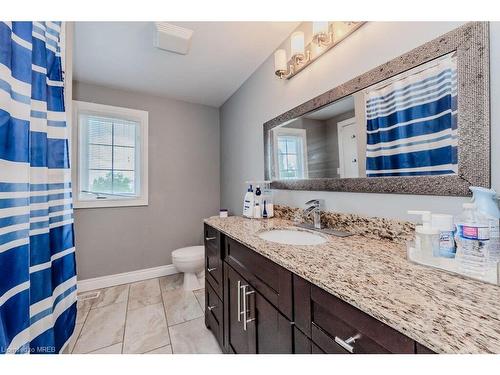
(316, 202)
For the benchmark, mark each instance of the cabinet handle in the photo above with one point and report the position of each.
(346, 344)
(210, 238)
(239, 300)
(244, 290)
(210, 308)
(245, 310)
(211, 269)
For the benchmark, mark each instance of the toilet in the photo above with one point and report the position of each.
(190, 261)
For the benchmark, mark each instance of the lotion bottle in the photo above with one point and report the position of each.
(248, 203)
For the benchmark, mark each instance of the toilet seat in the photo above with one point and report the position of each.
(187, 254)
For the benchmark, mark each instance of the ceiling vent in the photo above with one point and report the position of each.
(172, 38)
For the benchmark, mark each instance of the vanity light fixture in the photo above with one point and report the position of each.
(326, 35)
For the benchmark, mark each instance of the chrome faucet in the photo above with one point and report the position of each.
(314, 209)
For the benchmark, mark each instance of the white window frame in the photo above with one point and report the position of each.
(302, 133)
(89, 200)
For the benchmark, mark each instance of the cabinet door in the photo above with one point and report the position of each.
(269, 331)
(237, 338)
(301, 343)
(213, 259)
(214, 313)
(254, 326)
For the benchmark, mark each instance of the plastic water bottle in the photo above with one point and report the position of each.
(472, 237)
(486, 201)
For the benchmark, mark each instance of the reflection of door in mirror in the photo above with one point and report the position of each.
(290, 147)
(348, 148)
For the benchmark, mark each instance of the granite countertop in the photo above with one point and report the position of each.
(444, 312)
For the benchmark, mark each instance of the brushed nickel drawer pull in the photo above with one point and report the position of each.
(244, 290)
(347, 343)
(210, 238)
(245, 307)
(239, 300)
(211, 269)
(210, 308)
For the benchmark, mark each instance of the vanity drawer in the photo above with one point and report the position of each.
(325, 342)
(213, 258)
(339, 321)
(214, 313)
(268, 278)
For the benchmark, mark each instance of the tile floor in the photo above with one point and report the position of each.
(154, 316)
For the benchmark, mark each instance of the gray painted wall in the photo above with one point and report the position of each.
(263, 97)
(183, 188)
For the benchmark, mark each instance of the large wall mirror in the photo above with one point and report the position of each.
(418, 124)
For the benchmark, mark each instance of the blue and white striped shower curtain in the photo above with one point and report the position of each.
(412, 123)
(37, 259)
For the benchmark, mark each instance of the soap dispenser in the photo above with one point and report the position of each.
(248, 203)
(257, 211)
(426, 237)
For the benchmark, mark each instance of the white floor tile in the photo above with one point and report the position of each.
(163, 350)
(104, 327)
(76, 333)
(144, 293)
(114, 294)
(146, 329)
(200, 296)
(193, 338)
(113, 349)
(171, 282)
(181, 306)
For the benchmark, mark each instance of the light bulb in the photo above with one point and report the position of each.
(280, 60)
(297, 43)
(320, 27)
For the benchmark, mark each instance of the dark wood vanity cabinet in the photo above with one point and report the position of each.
(336, 327)
(214, 307)
(214, 242)
(253, 305)
(214, 313)
(271, 280)
(253, 324)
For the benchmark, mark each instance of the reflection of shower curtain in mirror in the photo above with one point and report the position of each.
(412, 124)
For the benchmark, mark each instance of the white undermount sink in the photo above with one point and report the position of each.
(292, 237)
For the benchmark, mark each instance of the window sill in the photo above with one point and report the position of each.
(104, 203)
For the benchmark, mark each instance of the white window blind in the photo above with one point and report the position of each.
(112, 165)
(111, 155)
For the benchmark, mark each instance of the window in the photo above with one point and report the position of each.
(111, 156)
(290, 147)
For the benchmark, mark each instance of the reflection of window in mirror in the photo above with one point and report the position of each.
(290, 148)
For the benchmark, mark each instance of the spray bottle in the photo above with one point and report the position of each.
(486, 202)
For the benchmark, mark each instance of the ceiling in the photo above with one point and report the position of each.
(222, 56)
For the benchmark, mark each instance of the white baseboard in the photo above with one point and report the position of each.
(125, 278)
